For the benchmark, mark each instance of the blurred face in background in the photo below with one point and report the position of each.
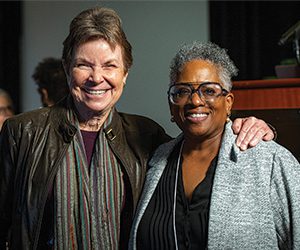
(5, 109)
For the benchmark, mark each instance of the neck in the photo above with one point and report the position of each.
(92, 121)
(202, 148)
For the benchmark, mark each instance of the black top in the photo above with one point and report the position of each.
(89, 139)
(192, 216)
(156, 227)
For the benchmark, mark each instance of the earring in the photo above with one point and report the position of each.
(228, 117)
(172, 119)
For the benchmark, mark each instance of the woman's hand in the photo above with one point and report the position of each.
(250, 131)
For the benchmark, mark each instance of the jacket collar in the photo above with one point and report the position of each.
(59, 119)
(113, 129)
(67, 130)
(228, 150)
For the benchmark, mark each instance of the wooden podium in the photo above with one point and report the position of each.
(276, 101)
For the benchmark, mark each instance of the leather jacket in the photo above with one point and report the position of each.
(32, 146)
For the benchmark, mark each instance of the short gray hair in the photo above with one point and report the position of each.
(208, 52)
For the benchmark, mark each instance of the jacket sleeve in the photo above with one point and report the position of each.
(7, 169)
(285, 199)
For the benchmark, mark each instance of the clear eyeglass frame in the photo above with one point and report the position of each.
(181, 93)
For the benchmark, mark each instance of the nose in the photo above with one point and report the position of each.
(97, 75)
(197, 99)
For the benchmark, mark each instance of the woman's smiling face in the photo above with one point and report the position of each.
(96, 77)
(197, 117)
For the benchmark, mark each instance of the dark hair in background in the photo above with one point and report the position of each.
(49, 74)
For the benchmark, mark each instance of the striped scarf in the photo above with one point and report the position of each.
(88, 202)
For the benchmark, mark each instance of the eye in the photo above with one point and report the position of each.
(180, 91)
(210, 90)
(82, 66)
(110, 65)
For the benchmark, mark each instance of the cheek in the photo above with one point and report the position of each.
(222, 112)
(118, 90)
(78, 77)
(177, 112)
(173, 110)
(117, 78)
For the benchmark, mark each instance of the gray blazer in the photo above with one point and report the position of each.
(255, 200)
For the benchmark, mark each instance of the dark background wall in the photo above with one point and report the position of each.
(250, 30)
(10, 36)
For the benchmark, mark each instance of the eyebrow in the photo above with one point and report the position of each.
(109, 60)
(81, 59)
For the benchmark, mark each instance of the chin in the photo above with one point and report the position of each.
(100, 109)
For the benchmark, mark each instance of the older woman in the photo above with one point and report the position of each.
(71, 175)
(201, 191)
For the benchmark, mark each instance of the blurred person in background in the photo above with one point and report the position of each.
(50, 77)
(6, 107)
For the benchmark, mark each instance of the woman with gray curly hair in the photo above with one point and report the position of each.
(201, 192)
(204, 51)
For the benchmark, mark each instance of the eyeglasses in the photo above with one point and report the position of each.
(181, 93)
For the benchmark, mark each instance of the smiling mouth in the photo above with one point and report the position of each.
(95, 92)
(201, 115)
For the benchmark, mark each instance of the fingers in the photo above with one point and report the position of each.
(271, 134)
(244, 138)
(252, 131)
(237, 125)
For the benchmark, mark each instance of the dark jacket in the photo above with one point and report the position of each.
(32, 146)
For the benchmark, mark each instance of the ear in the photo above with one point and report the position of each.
(45, 97)
(125, 78)
(229, 99)
(171, 108)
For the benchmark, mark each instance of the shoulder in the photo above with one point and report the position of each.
(37, 120)
(142, 133)
(264, 151)
(162, 153)
(137, 121)
(143, 126)
(29, 119)
(21, 129)
(271, 151)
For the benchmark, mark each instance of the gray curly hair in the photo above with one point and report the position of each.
(204, 51)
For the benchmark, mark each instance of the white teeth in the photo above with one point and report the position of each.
(198, 115)
(95, 92)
